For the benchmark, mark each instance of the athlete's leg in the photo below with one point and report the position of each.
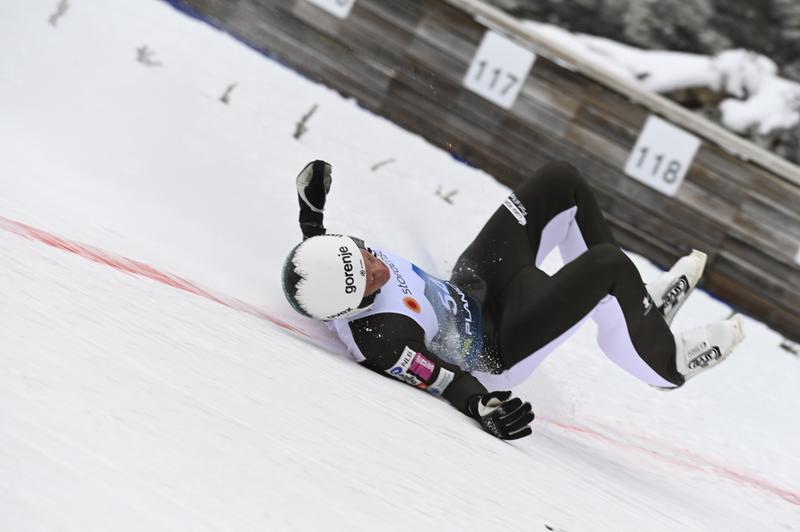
(563, 212)
(533, 312)
(539, 312)
(554, 207)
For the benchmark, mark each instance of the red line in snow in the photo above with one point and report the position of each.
(680, 457)
(628, 442)
(140, 269)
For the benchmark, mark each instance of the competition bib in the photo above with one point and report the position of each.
(450, 318)
(460, 331)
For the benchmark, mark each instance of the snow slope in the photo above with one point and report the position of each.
(133, 399)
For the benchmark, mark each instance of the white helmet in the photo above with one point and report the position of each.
(324, 277)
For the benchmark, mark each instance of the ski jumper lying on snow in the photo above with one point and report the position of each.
(489, 327)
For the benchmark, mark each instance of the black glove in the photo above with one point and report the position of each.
(313, 183)
(500, 415)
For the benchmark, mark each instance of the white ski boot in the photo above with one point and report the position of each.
(672, 288)
(700, 349)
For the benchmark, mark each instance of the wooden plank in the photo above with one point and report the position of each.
(367, 39)
(712, 206)
(566, 81)
(550, 97)
(741, 246)
(599, 145)
(541, 117)
(781, 195)
(311, 15)
(730, 275)
(614, 108)
(631, 238)
(451, 29)
(404, 16)
(653, 207)
(758, 205)
(655, 229)
(779, 243)
(715, 185)
(217, 12)
(593, 118)
(295, 32)
(438, 61)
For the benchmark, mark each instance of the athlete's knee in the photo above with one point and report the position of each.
(609, 258)
(555, 186)
(564, 170)
(469, 276)
(561, 175)
(561, 167)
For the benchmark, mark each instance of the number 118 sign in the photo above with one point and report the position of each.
(662, 155)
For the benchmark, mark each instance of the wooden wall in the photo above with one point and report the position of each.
(406, 60)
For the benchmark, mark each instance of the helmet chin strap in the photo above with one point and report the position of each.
(360, 243)
(368, 301)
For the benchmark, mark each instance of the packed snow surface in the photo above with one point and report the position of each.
(148, 380)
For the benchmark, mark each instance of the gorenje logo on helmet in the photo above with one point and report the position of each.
(349, 278)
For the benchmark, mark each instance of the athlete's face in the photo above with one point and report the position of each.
(377, 273)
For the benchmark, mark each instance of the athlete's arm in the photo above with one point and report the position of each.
(394, 345)
(313, 183)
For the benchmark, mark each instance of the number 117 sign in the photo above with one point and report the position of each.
(498, 69)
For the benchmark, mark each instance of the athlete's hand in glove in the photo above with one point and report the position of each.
(313, 184)
(501, 415)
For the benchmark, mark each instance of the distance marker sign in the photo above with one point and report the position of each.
(498, 69)
(662, 155)
(338, 8)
